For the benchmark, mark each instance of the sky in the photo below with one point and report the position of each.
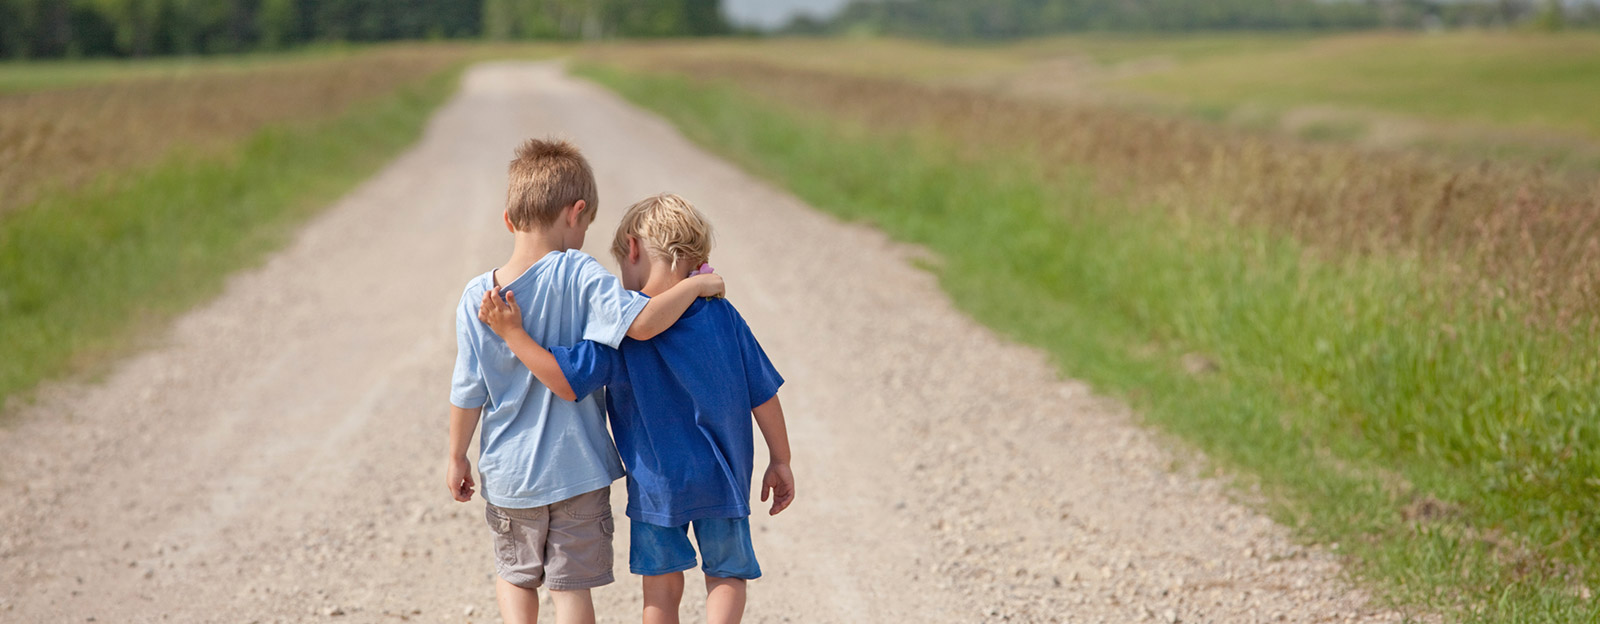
(774, 13)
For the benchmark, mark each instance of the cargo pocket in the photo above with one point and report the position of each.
(608, 529)
(505, 550)
(499, 522)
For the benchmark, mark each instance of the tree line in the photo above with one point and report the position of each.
(123, 28)
(590, 19)
(1004, 19)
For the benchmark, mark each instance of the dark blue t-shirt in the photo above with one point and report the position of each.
(680, 411)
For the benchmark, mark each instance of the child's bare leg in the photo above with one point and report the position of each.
(573, 606)
(662, 594)
(724, 600)
(518, 605)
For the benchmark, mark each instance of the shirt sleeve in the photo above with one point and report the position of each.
(467, 387)
(587, 365)
(611, 308)
(761, 378)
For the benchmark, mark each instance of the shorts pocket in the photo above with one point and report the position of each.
(498, 521)
(505, 548)
(608, 531)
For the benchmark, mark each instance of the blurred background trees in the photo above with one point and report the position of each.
(590, 19)
(69, 28)
(76, 28)
(79, 28)
(1006, 19)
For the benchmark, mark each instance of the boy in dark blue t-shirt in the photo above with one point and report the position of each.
(681, 406)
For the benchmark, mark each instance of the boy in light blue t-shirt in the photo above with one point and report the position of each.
(681, 406)
(547, 464)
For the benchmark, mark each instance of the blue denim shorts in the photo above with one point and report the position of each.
(724, 545)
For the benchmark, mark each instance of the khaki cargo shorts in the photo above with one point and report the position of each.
(564, 545)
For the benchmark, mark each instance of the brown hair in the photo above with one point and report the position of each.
(546, 177)
(667, 226)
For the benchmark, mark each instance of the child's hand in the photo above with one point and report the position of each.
(779, 481)
(458, 479)
(710, 285)
(502, 317)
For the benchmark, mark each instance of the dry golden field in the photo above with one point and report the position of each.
(1390, 327)
(1507, 227)
(64, 138)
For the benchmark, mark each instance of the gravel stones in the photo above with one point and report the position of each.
(284, 437)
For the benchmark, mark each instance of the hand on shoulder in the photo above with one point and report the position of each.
(501, 315)
(710, 285)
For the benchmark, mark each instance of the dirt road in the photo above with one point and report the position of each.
(278, 456)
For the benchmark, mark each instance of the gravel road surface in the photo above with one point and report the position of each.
(277, 455)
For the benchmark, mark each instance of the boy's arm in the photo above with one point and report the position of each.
(665, 308)
(505, 318)
(458, 471)
(779, 480)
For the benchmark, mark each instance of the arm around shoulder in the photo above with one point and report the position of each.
(505, 319)
(665, 309)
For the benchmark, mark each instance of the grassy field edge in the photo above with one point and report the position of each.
(82, 272)
(1122, 297)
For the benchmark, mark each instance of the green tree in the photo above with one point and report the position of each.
(30, 28)
(134, 23)
(195, 26)
(276, 21)
(1552, 18)
(703, 18)
(571, 19)
(998, 19)
(499, 19)
(19, 27)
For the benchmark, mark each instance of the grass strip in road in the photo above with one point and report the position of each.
(81, 271)
(1442, 449)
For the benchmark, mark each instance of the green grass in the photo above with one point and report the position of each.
(1351, 390)
(18, 76)
(878, 57)
(1333, 130)
(82, 272)
(24, 76)
(1470, 95)
(1539, 81)
(1122, 48)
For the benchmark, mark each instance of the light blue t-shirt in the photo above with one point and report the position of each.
(536, 448)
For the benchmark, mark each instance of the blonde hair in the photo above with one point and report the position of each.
(667, 226)
(546, 177)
